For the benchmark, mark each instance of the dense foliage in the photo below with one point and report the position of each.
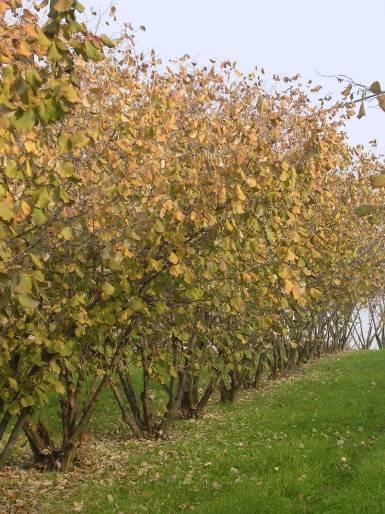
(181, 220)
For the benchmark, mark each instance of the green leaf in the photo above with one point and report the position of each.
(158, 227)
(237, 303)
(194, 293)
(33, 78)
(50, 110)
(43, 40)
(65, 169)
(108, 289)
(64, 195)
(137, 305)
(78, 6)
(13, 384)
(43, 198)
(79, 139)
(39, 217)
(14, 408)
(75, 26)
(107, 41)
(24, 121)
(10, 170)
(161, 307)
(58, 346)
(25, 284)
(53, 53)
(27, 401)
(36, 260)
(58, 387)
(92, 52)
(27, 302)
(364, 210)
(65, 143)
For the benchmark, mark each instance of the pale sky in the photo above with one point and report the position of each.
(285, 37)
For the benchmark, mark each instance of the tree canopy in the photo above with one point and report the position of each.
(183, 220)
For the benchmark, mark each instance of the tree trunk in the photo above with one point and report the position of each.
(126, 416)
(12, 440)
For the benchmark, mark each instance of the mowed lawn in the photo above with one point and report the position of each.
(311, 444)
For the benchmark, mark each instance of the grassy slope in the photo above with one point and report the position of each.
(314, 445)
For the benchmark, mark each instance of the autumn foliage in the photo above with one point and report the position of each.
(185, 221)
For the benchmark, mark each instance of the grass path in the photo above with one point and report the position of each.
(313, 445)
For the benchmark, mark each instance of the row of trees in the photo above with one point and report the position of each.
(180, 224)
(367, 324)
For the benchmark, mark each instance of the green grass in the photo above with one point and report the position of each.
(313, 445)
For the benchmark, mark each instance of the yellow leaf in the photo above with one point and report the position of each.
(347, 90)
(288, 286)
(173, 258)
(12, 382)
(79, 139)
(172, 372)
(66, 233)
(381, 102)
(30, 146)
(180, 216)
(240, 193)
(25, 208)
(375, 87)
(315, 293)
(238, 208)
(291, 256)
(62, 5)
(361, 112)
(5, 212)
(378, 180)
(108, 289)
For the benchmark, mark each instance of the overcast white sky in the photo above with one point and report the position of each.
(286, 37)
